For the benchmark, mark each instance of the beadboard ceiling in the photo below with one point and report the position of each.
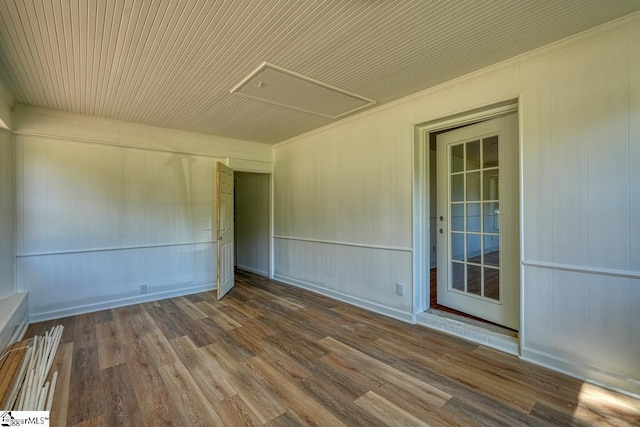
(172, 63)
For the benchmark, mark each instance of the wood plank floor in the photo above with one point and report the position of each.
(274, 355)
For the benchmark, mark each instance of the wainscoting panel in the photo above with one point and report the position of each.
(581, 215)
(365, 276)
(62, 284)
(587, 317)
(115, 218)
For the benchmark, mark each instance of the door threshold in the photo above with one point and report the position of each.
(489, 335)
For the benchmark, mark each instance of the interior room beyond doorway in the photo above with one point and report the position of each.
(252, 222)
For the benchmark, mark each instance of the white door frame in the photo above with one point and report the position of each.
(270, 222)
(263, 168)
(421, 183)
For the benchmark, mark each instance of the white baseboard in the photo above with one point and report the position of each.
(253, 270)
(14, 315)
(590, 374)
(117, 302)
(394, 313)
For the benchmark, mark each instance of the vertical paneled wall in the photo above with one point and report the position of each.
(580, 208)
(6, 102)
(107, 218)
(95, 222)
(7, 220)
(253, 211)
(343, 200)
(7, 195)
(343, 214)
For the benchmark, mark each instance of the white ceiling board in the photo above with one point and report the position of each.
(171, 63)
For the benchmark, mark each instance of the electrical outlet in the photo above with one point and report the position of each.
(143, 289)
(399, 289)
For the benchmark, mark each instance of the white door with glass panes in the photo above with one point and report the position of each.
(478, 221)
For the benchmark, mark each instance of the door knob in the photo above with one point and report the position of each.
(440, 231)
(441, 218)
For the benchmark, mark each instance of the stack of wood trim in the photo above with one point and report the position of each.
(28, 390)
(9, 366)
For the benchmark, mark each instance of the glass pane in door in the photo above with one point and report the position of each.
(474, 279)
(457, 158)
(490, 182)
(472, 156)
(457, 276)
(473, 186)
(457, 246)
(491, 217)
(457, 188)
(491, 279)
(475, 217)
(473, 248)
(490, 152)
(457, 217)
(491, 250)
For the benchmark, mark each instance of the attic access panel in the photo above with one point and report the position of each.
(273, 84)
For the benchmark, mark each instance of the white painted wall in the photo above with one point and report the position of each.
(7, 219)
(252, 221)
(6, 102)
(581, 210)
(7, 195)
(343, 200)
(13, 306)
(104, 207)
(343, 212)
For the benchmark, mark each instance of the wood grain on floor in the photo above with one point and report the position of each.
(270, 354)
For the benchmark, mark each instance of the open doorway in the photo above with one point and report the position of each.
(466, 240)
(252, 222)
(433, 235)
(478, 220)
